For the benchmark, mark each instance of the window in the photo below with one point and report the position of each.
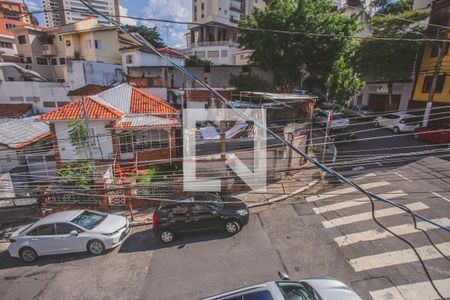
(62, 103)
(214, 53)
(224, 53)
(203, 5)
(64, 228)
(62, 61)
(26, 60)
(16, 98)
(242, 56)
(129, 59)
(10, 78)
(48, 229)
(33, 99)
(440, 83)
(9, 26)
(68, 43)
(54, 61)
(49, 104)
(61, 80)
(199, 209)
(22, 39)
(41, 61)
(126, 142)
(6, 45)
(435, 50)
(295, 291)
(98, 44)
(89, 219)
(60, 38)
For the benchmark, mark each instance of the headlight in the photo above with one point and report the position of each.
(112, 233)
(242, 212)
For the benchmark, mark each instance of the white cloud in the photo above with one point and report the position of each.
(123, 11)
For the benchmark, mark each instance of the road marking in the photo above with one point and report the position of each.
(365, 176)
(393, 258)
(440, 196)
(355, 202)
(380, 164)
(372, 235)
(347, 190)
(368, 215)
(358, 168)
(404, 177)
(415, 291)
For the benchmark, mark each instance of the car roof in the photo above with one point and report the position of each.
(236, 292)
(62, 216)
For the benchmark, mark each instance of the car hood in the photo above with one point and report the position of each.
(331, 289)
(16, 233)
(110, 224)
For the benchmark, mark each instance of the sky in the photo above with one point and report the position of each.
(175, 10)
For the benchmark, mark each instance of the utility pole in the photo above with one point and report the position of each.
(86, 123)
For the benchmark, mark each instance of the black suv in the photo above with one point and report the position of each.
(201, 212)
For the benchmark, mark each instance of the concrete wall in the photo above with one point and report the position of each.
(8, 159)
(103, 145)
(80, 73)
(140, 58)
(404, 89)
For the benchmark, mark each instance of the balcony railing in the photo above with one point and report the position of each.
(213, 43)
(48, 50)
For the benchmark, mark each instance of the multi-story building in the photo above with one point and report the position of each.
(16, 11)
(65, 12)
(209, 40)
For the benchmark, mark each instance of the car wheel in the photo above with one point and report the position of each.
(376, 124)
(95, 247)
(416, 136)
(232, 227)
(28, 254)
(395, 130)
(166, 236)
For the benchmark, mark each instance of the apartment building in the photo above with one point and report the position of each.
(208, 40)
(16, 11)
(66, 12)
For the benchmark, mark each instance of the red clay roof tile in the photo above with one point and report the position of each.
(143, 103)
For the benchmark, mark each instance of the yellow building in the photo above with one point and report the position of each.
(88, 40)
(439, 15)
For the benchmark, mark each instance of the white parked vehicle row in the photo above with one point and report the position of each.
(398, 122)
(68, 232)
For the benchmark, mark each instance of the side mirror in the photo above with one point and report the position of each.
(74, 233)
(283, 275)
(214, 212)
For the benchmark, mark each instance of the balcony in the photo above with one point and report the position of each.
(48, 50)
(213, 44)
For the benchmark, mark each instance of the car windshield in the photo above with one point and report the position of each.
(89, 219)
(296, 291)
(337, 117)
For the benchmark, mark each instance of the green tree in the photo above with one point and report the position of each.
(248, 82)
(291, 55)
(195, 61)
(149, 33)
(78, 134)
(77, 174)
(388, 60)
(342, 83)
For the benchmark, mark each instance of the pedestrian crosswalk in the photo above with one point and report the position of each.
(344, 207)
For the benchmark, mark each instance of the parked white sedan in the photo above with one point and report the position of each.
(339, 120)
(68, 232)
(398, 122)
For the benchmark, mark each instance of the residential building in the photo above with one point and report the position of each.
(440, 15)
(19, 86)
(211, 40)
(15, 111)
(16, 11)
(8, 48)
(25, 145)
(125, 124)
(66, 12)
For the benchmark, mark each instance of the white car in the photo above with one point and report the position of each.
(359, 111)
(68, 232)
(398, 122)
(339, 120)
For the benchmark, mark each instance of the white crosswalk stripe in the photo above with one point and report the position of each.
(355, 202)
(368, 215)
(372, 235)
(415, 291)
(347, 190)
(393, 258)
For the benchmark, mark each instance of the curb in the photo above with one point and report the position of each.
(140, 223)
(284, 197)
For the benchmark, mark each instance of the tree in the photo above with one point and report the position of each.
(288, 55)
(392, 7)
(248, 82)
(195, 61)
(149, 33)
(388, 60)
(77, 174)
(342, 83)
(78, 135)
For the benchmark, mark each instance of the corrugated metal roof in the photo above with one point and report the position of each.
(17, 132)
(119, 97)
(145, 121)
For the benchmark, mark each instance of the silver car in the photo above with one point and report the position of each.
(398, 122)
(359, 111)
(338, 121)
(68, 232)
(308, 289)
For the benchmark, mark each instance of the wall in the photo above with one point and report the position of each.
(226, 54)
(158, 92)
(34, 92)
(8, 51)
(102, 149)
(80, 73)
(8, 159)
(402, 89)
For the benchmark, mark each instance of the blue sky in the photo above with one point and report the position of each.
(177, 10)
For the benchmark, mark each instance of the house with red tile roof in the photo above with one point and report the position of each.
(124, 124)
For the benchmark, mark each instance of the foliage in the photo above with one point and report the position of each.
(159, 173)
(249, 82)
(392, 7)
(342, 84)
(77, 55)
(148, 177)
(77, 174)
(149, 33)
(288, 54)
(78, 134)
(195, 61)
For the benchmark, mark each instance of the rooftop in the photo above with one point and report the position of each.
(88, 90)
(19, 133)
(14, 110)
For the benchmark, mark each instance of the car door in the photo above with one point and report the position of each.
(393, 121)
(204, 217)
(180, 218)
(68, 243)
(382, 121)
(42, 239)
